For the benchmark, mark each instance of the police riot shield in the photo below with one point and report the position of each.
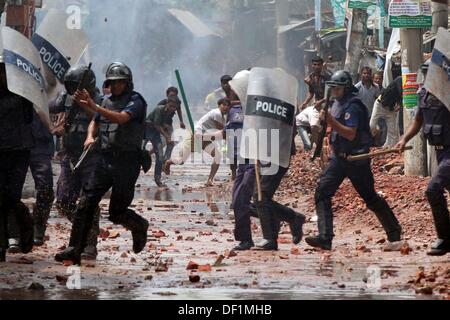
(438, 77)
(269, 116)
(60, 46)
(23, 68)
(239, 84)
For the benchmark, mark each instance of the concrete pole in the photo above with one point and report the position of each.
(357, 36)
(412, 59)
(282, 15)
(439, 9)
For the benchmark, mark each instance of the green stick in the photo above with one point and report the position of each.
(185, 101)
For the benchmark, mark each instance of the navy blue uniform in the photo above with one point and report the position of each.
(118, 168)
(244, 185)
(351, 112)
(270, 212)
(436, 128)
(243, 190)
(41, 170)
(70, 183)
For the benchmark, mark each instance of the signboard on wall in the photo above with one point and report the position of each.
(410, 14)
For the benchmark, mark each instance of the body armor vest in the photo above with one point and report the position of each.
(125, 137)
(363, 141)
(76, 127)
(436, 116)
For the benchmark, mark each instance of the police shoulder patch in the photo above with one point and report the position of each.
(348, 116)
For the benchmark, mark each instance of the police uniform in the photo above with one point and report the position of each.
(41, 170)
(70, 183)
(16, 141)
(436, 128)
(235, 124)
(350, 112)
(244, 185)
(272, 213)
(118, 169)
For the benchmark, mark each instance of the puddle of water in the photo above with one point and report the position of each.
(203, 294)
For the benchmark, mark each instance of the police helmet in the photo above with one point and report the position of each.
(119, 71)
(74, 76)
(341, 79)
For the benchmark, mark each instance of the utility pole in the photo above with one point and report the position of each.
(356, 37)
(439, 10)
(282, 15)
(412, 59)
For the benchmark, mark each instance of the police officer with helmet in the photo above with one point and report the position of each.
(434, 118)
(119, 124)
(74, 134)
(350, 136)
(16, 141)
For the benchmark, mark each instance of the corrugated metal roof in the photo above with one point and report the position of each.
(193, 24)
(292, 26)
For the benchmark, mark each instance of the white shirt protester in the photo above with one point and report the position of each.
(368, 95)
(308, 117)
(209, 120)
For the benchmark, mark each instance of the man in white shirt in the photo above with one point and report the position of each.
(368, 90)
(207, 130)
(308, 125)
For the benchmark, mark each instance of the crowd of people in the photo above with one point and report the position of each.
(103, 148)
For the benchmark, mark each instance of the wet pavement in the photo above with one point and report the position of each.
(194, 225)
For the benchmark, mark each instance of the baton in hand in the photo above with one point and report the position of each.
(375, 154)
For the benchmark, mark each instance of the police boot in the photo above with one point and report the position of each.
(244, 246)
(269, 230)
(80, 228)
(324, 240)
(138, 227)
(90, 252)
(41, 212)
(296, 226)
(20, 229)
(387, 219)
(26, 225)
(294, 219)
(442, 222)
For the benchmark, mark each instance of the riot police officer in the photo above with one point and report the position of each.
(41, 169)
(271, 213)
(434, 118)
(16, 141)
(350, 136)
(119, 125)
(74, 134)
